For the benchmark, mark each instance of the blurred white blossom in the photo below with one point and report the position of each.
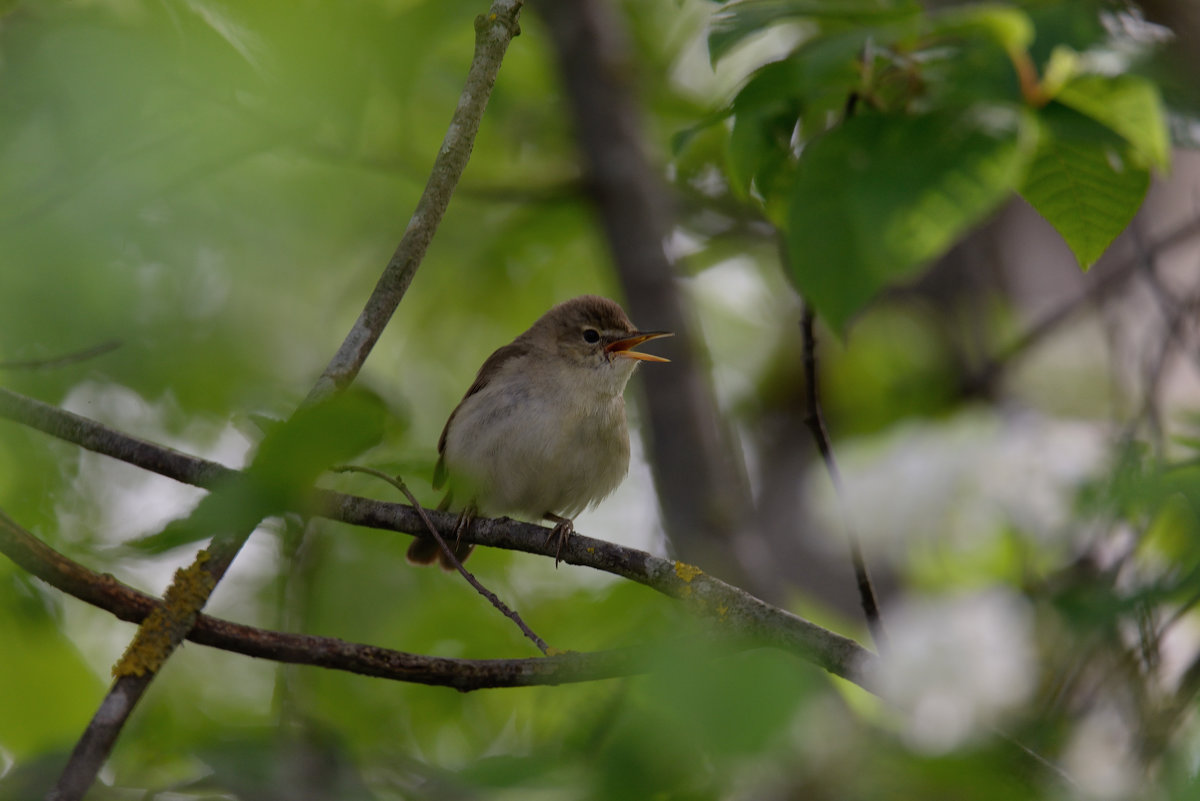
(960, 482)
(955, 663)
(1100, 757)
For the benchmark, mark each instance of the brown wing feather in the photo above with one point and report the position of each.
(490, 367)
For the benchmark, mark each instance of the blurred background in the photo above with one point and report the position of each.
(215, 187)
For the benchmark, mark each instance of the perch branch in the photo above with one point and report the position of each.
(126, 603)
(705, 595)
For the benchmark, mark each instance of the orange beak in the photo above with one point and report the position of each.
(624, 347)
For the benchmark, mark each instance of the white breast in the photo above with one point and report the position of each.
(541, 447)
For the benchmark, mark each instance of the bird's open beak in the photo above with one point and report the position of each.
(624, 347)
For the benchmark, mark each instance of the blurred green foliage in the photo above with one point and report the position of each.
(890, 131)
(218, 185)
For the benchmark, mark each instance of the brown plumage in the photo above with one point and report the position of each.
(541, 432)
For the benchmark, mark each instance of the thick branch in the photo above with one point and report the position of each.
(126, 603)
(697, 466)
(729, 606)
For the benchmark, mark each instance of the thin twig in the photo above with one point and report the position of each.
(65, 359)
(448, 552)
(192, 586)
(988, 373)
(815, 420)
(493, 33)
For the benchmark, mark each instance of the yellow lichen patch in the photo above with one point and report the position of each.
(149, 648)
(552, 651)
(722, 611)
(167, 625)
(687, 572)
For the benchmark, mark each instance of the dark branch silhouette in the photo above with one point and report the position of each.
(814, 418)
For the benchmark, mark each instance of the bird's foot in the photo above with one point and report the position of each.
(564, 527)
(461, 551)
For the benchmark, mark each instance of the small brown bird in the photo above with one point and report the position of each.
(541, 434)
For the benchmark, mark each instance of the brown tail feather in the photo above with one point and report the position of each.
(425, 551)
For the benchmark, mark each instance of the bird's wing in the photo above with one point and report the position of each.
(489, 369)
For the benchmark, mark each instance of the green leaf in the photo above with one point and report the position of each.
(807, 87)
(744, 18)
(1084, 181)
(1008, 26)
(289, 459)
(765, 114)
(1062, 66)
(1130, 105)
(55, 682)
(754, 150)
(970, 55)
(878, 197)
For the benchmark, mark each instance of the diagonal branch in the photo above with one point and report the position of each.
(126, 603)
(731, 608)
(493, 33)
(491, 597)
(157, 639)
(986, 376)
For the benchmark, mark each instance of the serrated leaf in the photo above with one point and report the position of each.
(877, 198)
(744, 18)
(1083, 181)
(1128, 104)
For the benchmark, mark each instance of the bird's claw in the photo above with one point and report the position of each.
(564, 527)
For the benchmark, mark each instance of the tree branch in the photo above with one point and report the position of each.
(126, 603)
(493, 33)
(157, 639)
(986, 376)
(63, 360)
(814, 418)
(698, 472)
(491, 597)
(730, 607)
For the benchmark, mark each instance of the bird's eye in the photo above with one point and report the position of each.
(591, 336)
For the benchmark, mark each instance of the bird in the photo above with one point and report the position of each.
(541, 434)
